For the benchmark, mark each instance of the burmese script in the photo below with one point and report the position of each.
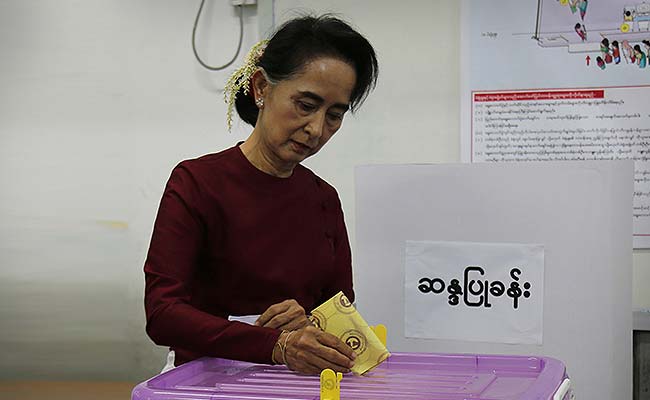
(567, 125)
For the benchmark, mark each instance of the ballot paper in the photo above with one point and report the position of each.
(338, 317)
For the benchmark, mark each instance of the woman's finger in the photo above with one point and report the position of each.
(334, 357)
(333, 342)
(316, 364)
(279, 320)
(306, 355)
(289, 312)
(307, 350)
(271, 312)
(295, 324)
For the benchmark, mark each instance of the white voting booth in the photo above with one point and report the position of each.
(575, 215)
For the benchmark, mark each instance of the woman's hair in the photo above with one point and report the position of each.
(301, 40)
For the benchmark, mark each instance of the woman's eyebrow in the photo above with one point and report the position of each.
(319, 99)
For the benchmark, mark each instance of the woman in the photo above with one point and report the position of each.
(640, 56)
(250, 230)
(605, 50)
(616, 52)
(582, 5)
(646, 43)
(581, 31)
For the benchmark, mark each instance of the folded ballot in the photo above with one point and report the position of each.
(338, 317)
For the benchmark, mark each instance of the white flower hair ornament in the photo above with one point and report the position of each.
(241, 78)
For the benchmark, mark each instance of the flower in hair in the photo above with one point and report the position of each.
(241, 78)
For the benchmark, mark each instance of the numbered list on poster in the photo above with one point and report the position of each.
(566, 125)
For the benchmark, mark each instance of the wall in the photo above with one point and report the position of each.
(100, 99)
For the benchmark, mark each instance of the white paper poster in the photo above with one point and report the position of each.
(551, 80)
(486, 292)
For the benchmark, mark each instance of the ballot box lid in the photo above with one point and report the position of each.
(402, 376)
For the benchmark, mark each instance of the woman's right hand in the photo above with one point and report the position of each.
(310, 350)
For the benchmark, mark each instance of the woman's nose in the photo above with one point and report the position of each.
(316, 125)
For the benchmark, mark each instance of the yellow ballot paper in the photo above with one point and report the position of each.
(339, 317)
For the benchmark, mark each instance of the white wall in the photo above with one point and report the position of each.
(100, 99)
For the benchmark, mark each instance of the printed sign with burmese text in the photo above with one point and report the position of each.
(486, 292)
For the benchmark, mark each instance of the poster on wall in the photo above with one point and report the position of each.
(481, 292)
(551, 80)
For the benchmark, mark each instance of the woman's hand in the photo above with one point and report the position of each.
(288, 316)
(310, 350)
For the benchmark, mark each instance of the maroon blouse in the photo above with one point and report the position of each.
(230, 239)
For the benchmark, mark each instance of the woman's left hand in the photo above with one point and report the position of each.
(288, 315)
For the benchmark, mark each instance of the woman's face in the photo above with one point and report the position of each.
(302, 113)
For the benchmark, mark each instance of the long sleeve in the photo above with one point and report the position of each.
(177, 245)
(342, 257)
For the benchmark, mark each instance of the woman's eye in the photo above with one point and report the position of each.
(306, 106)
(335, 116)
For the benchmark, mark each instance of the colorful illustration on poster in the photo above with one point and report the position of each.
(612, 32)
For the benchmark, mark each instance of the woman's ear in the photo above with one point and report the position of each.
(260, 85)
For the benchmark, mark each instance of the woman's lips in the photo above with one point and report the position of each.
(301, 148)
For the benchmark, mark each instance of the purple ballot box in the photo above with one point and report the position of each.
(404, 376)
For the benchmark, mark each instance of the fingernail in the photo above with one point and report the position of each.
(354, 356)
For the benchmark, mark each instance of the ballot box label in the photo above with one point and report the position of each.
(487, 292)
